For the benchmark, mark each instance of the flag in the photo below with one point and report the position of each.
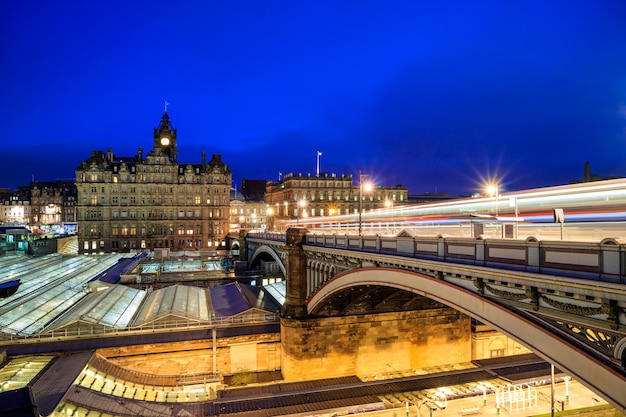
(319, 153)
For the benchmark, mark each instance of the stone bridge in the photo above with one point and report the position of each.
(565, 301)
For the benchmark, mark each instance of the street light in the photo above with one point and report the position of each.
(492, 189)
(362, 187)
(301, 205)
(270, 219)
(241, 222)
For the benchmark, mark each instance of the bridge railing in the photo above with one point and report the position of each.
(602, 261)
(275, 236)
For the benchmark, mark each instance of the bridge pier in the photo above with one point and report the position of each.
(296, 291)
(373, 346)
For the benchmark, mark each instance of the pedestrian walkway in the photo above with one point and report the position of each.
(577, 397)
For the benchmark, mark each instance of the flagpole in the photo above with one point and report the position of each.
(318, 163)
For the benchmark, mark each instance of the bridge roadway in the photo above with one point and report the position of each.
(565, 301)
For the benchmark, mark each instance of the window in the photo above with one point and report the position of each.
(497, 353)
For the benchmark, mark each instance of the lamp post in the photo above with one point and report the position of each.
(492, 189)
(513, 203)
(362, 187)
(270, 219)
(301, 205)
(241, 222)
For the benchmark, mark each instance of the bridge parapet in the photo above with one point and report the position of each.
(603, 261)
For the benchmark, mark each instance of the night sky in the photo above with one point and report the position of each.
(438, 95)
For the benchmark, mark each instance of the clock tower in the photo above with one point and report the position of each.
(165, 138)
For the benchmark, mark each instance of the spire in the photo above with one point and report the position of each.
(165, 123)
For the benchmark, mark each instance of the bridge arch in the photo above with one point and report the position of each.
(268, 250)
(545, 343)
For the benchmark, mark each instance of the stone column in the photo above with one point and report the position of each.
(296, 296)
(243, 245)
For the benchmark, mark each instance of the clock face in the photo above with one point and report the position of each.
(165, 141)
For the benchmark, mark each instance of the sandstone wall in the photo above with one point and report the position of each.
(372, 344)
(252, 353)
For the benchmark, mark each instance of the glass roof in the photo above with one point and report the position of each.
(178, 300)
(228, 301)
(258, 297)
(18, 372)
(278, 290)
(56, 291)
(114, 307)
(49, 286)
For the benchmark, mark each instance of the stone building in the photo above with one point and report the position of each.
(297, 197)
(248, 209)
(137, 203)
(247, 214)
(52, 204)
(15, 208)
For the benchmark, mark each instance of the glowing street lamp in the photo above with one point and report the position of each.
(270, 220)
(363, 187)
(301, 206)
(492, 190)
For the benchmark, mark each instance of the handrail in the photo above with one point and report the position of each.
(158, 326)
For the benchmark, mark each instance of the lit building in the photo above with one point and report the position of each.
(297, 197)
(16, 209)
(247, 212)
(132, 203)
(53, 204)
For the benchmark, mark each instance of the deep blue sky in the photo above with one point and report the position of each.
(435, 95)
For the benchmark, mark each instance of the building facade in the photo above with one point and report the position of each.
(136, 203)
(53, 205)
(250, 215)
(16, 209)
(297, 197)
(248, 209)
